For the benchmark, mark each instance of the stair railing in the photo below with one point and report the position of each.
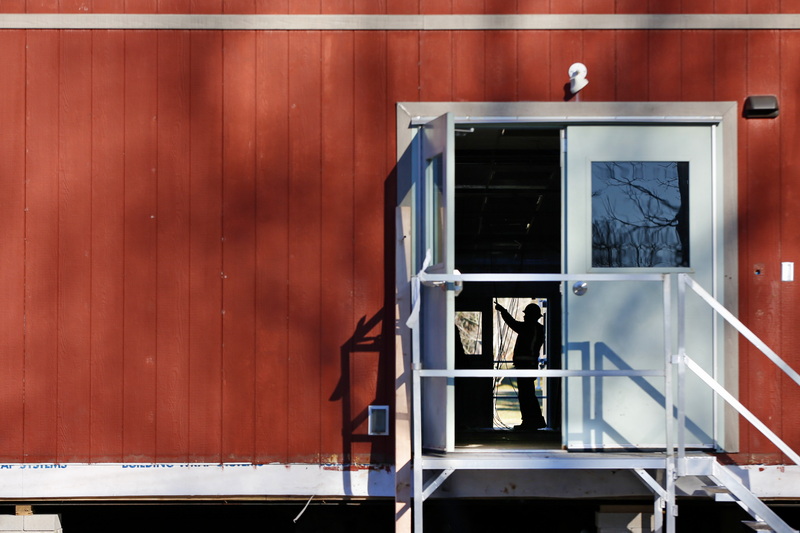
(685, 362)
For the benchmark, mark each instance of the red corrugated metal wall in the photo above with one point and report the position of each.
(197, 226)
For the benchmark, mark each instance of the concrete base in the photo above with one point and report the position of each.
(35, 523)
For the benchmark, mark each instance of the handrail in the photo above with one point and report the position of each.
(732, 320)
(432, 278)
(736, 404)
(684, 360)
(533, 373)
(681, 361)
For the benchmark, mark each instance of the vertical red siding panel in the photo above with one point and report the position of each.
(633, 71)
(272, 247)
(141, 6)
(436, 66)
(790, 240)
(72, 6)
(205, 259)
(477, 6)
(402, 82)
(402, 7)
(599, 53)
(469, 66)
(272, 6)
(599, 6)
(570, 7)
(369, 7)
(43, 6)
(74, 247)
(239, 7)
(501, 66)
(631, 6)
(665, 6)
(698, 6)
(763, 6)
(41, 249)
(762, 197)
(534, 81)
(12, 6)
(141, 141)
(107, 6)
(211, 7)
(533, 6)
(172, 220)
(336, 257)
(238, 227)
(300, 7)
(730, 83)
(108, 228)
(566, 47)
(367, 354)
(332, 7)
(12, 242)
(664, 49)
(697, 63)
(435, 7)
(305, 312)
(731, 6)
(789, 6)
(173, 6)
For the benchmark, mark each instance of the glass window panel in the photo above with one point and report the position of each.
(640, 214)
(436, 208)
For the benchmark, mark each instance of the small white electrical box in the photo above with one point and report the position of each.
(378, 419)
(787, 271)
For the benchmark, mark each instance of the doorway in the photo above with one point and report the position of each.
(507, 220)
(486, 189)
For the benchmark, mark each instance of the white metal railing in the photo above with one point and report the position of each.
(682, 361)
(452, 282)
(685, 362)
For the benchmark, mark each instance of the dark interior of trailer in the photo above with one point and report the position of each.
(508, 220)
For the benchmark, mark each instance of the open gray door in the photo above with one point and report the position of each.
(436, 235)
(638, 199)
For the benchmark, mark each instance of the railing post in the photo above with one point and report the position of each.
(416, 405)
(669, 404)
(668, 399)
(681, 373)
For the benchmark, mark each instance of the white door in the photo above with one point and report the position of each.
(436, 235)
(638, 199)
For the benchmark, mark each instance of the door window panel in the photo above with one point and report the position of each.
(640, 214)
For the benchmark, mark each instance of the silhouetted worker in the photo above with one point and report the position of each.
(530, 337)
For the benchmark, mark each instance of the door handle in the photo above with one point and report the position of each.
(580, 288)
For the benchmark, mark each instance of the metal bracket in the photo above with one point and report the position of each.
(651, 483)
(436, 482)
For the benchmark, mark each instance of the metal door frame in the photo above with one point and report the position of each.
(410, 115)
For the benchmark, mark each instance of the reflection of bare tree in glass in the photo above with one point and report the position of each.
(640, 214)
(469, 329)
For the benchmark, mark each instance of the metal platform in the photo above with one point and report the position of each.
(465, 459)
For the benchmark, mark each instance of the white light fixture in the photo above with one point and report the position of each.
(577, 77)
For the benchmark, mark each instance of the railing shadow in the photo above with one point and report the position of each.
(365, 340)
